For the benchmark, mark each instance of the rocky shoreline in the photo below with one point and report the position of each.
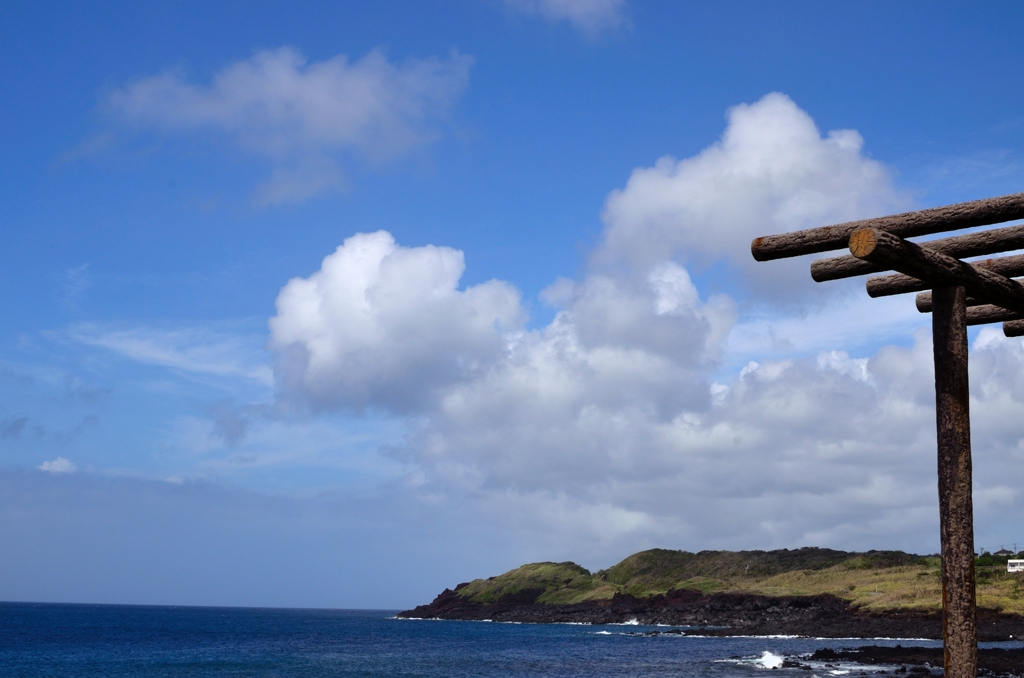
(726, 614)
(992, 662)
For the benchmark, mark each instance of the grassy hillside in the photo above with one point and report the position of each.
(875, 580)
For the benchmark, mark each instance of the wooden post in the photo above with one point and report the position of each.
(956, 512)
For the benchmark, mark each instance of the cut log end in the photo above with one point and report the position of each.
(863, 242)
(756, 249)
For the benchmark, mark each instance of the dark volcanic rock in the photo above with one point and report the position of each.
(991, 661)
(822, 616)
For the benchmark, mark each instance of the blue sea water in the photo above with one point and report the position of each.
(115, 640)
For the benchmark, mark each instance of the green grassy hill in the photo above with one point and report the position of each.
(876, 580)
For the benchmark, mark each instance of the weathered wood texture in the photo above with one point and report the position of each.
(987, 313)
(956, 512)
(960, 246)
(886, 249)
(923, 300)
(1014, 328)
(897, 283)
(906, 225)
(976, 315)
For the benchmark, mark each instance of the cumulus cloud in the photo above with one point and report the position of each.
(590, 16)
(385, 326)
(619, 409)
(827, 450)
(771, 172)
(303, 114)
(58, 465)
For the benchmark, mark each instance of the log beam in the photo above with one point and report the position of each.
(987, 313)
(1014, 328)
(897, 283)
(886, 249)
(923, 300)
(982, 314)
(906, 225)
(960, 246)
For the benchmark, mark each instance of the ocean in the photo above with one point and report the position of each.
(119, 640)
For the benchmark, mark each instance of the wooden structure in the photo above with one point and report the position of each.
(957, 294)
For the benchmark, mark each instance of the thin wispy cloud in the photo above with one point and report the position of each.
(989, 171)
(302, 455)
(198, 351)
(86, 148)
(304, 117)
(589, 16)
(77, 281)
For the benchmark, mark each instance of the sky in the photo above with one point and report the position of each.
(340, 304)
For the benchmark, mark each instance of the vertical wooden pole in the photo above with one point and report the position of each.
(956, 511)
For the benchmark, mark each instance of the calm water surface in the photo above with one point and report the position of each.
(114, 640)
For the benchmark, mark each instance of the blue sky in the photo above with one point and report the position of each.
(302, 302)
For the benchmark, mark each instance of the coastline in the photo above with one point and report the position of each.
(763, 617)
(991, 661)
(722, 614)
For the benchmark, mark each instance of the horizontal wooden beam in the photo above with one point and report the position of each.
(981, 314)
(960, 246)
(1014, 328)
(886, 249)
(987, 313)
(906, 225)
(898, 283)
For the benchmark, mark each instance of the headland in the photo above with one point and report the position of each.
(810, 592)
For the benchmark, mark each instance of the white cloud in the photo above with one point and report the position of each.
(386, 326)
(610, 406)
(193, 350)
(590, 16)
(608, 418)
(302, 114)
(58, 465)
(771, 172)
(789, 449)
